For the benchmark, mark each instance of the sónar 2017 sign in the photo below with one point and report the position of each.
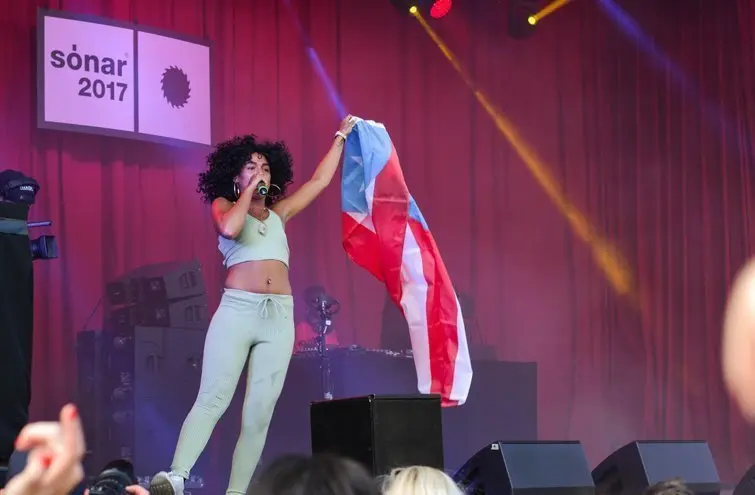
(102, 76)
(93, 86)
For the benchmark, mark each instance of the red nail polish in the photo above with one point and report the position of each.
(74, 412)
(46, 461)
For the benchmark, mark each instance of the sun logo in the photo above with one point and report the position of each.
(176, 87)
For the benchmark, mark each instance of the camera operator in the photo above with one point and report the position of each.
(17, 194)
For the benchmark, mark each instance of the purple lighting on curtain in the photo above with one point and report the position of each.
(330, 88)
(664, 63)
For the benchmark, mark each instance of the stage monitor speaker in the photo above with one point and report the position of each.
(638, 465)
(514, 468)
(381, 432)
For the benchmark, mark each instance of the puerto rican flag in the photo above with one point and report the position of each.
(385, 233)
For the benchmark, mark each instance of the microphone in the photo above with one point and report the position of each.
(262, 188)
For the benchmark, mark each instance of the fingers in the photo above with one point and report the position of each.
(66, 435)
(65, 469)
(72, 431)
(256, 178)
(348, 124)
(36, 434)
(54, 461)
(64, 473)
(137, 490)
(30, 479)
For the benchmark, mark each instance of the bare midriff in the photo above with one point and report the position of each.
(260, 277)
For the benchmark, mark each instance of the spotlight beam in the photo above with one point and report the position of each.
(610, 261)
(547, 10)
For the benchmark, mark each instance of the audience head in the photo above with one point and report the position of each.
(669, 487)
(419, 480)
(318, 475)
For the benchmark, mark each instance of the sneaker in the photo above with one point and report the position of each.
(166, 484)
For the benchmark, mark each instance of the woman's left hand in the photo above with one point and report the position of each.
(347, 125)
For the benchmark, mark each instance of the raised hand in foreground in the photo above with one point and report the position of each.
(55, 450)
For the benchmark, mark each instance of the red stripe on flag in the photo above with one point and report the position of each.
(390, 211)
(442, 314)
(361, 245)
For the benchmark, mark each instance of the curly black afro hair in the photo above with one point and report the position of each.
(229, 157)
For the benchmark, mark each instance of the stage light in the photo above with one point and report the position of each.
(440, 8)
(522, 13)
(415, 7)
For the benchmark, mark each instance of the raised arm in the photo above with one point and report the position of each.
(290, 206)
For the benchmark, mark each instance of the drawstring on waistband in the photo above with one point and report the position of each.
(262, 310)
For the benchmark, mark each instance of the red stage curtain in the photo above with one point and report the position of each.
(661, 175)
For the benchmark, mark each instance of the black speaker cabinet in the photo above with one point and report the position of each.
(381, 432)
(532, 468)
(638, 465)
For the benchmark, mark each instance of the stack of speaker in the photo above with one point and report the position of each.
(149, 310)
(167, 295)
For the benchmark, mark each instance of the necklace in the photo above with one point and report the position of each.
(262, 228)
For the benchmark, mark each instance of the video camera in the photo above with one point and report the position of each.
(114, 479)
(18, 189)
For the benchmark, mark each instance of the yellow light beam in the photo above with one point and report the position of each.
(548, 9)
(606, 256)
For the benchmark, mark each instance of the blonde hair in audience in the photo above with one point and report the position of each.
(674, 486)
(419, 480)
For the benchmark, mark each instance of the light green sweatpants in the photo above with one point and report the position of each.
(257, 327)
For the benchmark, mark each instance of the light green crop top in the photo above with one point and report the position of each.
(257, 241)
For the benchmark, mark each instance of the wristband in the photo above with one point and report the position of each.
(339, 133)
